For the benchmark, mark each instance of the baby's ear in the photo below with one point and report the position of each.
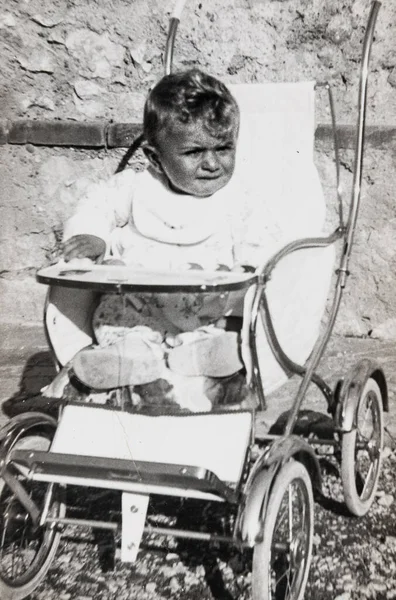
(152, 156)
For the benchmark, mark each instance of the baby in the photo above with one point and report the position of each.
(176, 215)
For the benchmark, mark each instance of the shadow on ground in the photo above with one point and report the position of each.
(37, 372)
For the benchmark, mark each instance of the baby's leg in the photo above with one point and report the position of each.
(213, 354)
(209, 351)
(129, 351)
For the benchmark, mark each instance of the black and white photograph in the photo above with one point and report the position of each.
(198, 300)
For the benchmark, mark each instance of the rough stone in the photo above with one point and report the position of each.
(339, 28)
(392, 77)
(7, 20)
(389, 60)
(95, 54)
(139, 56)
(91, 109)
(86, 89)
(386, 330)
(39, 60)
(40, 101)
(49, 20)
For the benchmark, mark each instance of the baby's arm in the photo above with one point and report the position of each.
(104, 206)
(84, 246)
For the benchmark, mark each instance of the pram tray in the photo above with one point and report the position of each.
(115, 473)
(116, 278)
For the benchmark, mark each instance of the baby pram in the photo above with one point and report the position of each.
(265, 480)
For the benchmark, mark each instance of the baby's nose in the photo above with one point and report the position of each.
(210, 161)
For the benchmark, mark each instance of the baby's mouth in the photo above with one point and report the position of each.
(209, 177)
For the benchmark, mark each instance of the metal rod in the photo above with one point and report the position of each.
(47, 503)
(170, 44)
(192, 535)
(359, 148)
(258, 382)
(83, 523)
(148, 529)
(336, 146)
(336, 156)
(23, 497)
(170, 41)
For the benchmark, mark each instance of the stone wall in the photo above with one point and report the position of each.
(71, 71)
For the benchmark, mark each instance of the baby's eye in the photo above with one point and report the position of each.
(193, 152)
(225, 149)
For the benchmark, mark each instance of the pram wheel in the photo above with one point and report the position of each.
(361, 451)
(26, 551)
(281, 561)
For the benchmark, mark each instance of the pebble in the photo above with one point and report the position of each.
(151, 587)
(317, 539)
(391, 540)
(172, 556)
(174, 584)
(386, 500)
(378, 586)
(349, 586)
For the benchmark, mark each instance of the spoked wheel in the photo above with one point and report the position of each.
(361, 451)
(281, 561)
(26, 551)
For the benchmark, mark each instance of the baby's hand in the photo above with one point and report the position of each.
(84, 246)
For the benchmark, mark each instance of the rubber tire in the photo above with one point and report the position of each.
(7, 592)
(355, 504)
(261, 576)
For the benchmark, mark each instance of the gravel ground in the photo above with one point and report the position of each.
(354, 558)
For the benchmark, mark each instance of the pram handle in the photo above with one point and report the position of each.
(170, 41)
(360, 133)
(120, 279)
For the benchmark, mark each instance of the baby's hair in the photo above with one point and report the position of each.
(189, 96)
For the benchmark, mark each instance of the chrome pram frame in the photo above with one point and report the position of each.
(273, 467)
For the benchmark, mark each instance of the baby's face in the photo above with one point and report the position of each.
(194, 161)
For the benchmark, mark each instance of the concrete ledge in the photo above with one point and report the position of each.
(4, 125)
(122, 135)
(58, 133)
(381, 136)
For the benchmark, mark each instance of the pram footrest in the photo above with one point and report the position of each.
(122, 474)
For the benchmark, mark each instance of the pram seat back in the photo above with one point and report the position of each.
(283, 201)
(278, 116)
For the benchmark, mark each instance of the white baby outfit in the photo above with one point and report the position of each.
(147, 225)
